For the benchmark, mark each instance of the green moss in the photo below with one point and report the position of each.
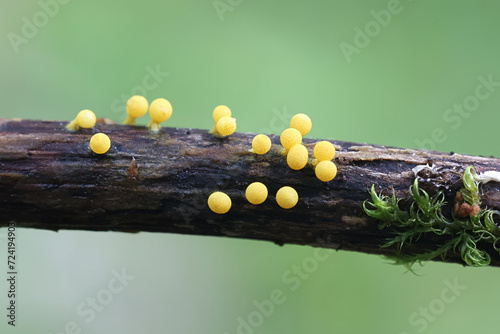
(425, 216)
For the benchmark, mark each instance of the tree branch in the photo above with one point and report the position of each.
(49, 179)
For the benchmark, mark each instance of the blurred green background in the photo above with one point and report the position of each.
(382, 72)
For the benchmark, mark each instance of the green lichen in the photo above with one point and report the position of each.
(425, 217)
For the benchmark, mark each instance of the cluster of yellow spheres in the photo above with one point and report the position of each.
(325, 169)
(86, 119)
(225, 125)
(297, 155)
(160, 111)
(256, 193)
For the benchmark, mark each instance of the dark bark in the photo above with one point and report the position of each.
(49, 179)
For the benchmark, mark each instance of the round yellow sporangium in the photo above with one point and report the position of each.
(85, 119)
(219, 202)
(290, 137)
(325, 170)
(287, 197)
(256, 193)
(261, 144)
(324, 150)
(221, 111)
(297, 157)
(301, 122)
(160, 110)
(137, 106)
(226, 126)
(100, 143)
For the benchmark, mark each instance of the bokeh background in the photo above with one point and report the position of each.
(383, 72)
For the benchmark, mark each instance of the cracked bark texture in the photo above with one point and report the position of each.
(160, 182)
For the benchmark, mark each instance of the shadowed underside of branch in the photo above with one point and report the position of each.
(160, 182)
